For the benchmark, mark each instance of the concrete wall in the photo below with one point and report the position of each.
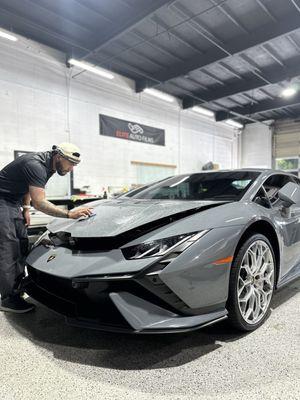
(256, 146)
(41, 105)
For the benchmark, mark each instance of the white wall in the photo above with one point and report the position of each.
(256, 146)
(40, 106)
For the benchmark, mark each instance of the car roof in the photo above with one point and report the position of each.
(264, 171)
(260, 171)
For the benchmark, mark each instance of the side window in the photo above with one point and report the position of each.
(267, 195)
(261, 198)
(272, 186)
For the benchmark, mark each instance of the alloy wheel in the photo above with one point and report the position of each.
(255, 282)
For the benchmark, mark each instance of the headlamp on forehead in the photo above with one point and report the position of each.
(68, 151)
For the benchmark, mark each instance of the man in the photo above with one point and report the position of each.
(21, 182)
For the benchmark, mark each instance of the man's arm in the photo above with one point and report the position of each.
(26, 209)
(40, 203)
(26, 200)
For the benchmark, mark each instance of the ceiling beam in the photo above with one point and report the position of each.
(265, 105)
(129, 24)
(245, 41)
(274, 74)
(34, 31)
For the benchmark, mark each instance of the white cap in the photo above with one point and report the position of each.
(68, 151)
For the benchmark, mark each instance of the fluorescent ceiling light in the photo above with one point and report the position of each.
(233, 123)
(159, 94)
(203, 111)
(91, 68)
(8, 36)
(288, 92)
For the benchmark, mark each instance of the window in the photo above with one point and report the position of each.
(288, 164)
(267, 195)
(150, 172)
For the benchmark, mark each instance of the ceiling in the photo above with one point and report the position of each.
(233, 57)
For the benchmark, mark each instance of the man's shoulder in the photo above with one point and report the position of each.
(38, 163)
(42, 156)
(36, 169)
(38, 160)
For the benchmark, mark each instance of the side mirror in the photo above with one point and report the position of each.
(289, 194)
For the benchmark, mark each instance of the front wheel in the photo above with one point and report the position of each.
(251, 285)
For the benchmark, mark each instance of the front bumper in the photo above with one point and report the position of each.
(127, 305)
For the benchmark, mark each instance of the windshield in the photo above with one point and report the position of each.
(133, 192)
(228, 186)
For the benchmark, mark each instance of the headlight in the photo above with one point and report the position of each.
(160, 247)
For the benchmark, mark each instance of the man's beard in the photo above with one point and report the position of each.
(59, 168)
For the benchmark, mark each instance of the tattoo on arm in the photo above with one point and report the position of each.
(48, 208)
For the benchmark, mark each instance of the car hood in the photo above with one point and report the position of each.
(114, 217)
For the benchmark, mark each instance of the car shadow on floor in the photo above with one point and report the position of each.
(123, 351)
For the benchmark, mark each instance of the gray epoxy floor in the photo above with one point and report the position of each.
(42, 358)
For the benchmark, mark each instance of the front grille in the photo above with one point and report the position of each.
(91, 297)
(58, 294)
(53, 284)
(53, 302)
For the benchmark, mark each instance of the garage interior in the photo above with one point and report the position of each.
(220, 79)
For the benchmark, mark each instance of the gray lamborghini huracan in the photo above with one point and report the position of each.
(177, 255)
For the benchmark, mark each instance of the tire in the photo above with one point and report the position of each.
(251, 285)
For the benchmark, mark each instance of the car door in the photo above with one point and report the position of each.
(289, 227)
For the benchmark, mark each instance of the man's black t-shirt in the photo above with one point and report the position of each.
(33, 169)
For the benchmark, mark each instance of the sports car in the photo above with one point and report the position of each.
(174, 256)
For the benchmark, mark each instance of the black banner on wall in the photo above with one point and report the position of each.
(130, 130)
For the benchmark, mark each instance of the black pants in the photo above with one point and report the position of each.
(13, 248)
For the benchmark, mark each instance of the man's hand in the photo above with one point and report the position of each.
(40, 203)
(80, 212)
(26, 215)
